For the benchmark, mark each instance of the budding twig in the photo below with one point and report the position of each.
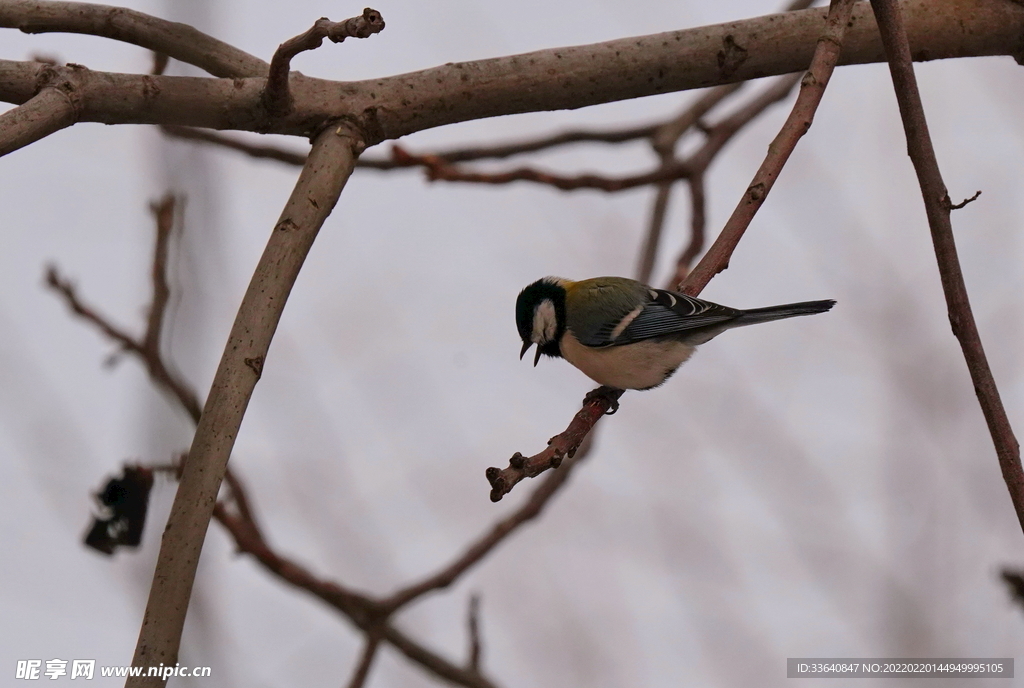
(276, 97)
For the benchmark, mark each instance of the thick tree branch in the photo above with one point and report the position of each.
(330, 163)
(180, 41)
(51, 110)
(812, 88)
(276, 97)
(391, 107)
(937, 207)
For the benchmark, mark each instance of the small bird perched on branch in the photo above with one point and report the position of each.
(624, 334)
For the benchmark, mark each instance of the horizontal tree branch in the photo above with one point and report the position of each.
(391, 107)
(180, 41)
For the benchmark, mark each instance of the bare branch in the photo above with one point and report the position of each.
(438, 169)
(473, 622)
(507, 150)
(667, 135)
(180, 41)
(664, 140)
(649, 252)
(391, 107)
(362, 671)
(698, 220)
(148, 347)
(436, 664)
(50, 111)
(276, 96)
(937, 207)
(252, 150)
(812, 88)
(454, 155)
(595, 405)
(163, 211)
(330, 163)
(366, 613)
(964, 202)
(505, 527)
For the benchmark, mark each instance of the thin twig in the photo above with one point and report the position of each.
(812, 88)
(475, 643)
(649, 252)
(455, 155)
(330, 163)
(528, 511)
(439, 169)
(961, 204)
(698, 221)
(362, 671)
(276, 96)
(664, 141)
(938, 207)
(561, 447)
(163, 211)
(148, 347)
(250, 149)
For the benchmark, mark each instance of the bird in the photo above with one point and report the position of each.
(624, 334)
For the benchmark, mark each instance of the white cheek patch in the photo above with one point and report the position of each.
(545, 324)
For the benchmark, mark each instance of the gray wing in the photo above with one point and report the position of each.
(665, 313)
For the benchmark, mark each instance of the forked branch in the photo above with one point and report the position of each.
(276, 97)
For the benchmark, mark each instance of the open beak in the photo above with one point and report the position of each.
(537, 357)
(526, 347)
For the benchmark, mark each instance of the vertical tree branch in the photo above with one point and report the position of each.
(938, 206)
(473, 622)
(330, 163)
(812, 88)
(698, 220)
(649, 252)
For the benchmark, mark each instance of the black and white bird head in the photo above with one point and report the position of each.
(540, 316)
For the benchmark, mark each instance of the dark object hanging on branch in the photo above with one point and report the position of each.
(126, 499)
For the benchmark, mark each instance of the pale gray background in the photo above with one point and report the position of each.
(820, 487)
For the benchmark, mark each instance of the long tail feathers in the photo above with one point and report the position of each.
(789, 310)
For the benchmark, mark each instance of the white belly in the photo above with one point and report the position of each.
(634, 366)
